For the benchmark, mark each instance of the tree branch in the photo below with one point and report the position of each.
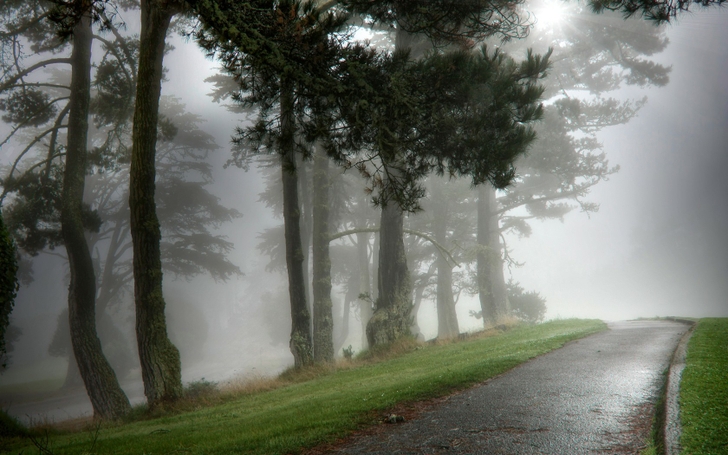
(25, 72)
(446, 254)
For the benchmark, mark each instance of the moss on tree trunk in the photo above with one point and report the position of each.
(391, 318)
(160, 361)
(107, 398)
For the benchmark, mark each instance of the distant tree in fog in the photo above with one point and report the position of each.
(596, 54)
(448, 216)
(526, 306)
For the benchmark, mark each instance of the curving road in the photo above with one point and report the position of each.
(593, 396)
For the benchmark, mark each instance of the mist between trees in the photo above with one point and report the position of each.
(398, 166)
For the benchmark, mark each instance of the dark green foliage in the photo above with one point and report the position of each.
(460, 113)
(658, 11)
(28, 107)
(10, 427)
(8, 287)
(34, 214)
(448, 21)
(200, 389)
(526, 306)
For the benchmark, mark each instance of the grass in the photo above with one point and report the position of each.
(704, 390)
(302, 410)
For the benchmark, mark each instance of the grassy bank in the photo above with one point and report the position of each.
(329, 406)
(704, 390)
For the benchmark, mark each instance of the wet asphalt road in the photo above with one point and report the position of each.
(593, 396)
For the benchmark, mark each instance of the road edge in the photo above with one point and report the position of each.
(672, 428)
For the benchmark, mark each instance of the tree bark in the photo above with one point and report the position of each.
(323, 320)
(107, 398)
(419, 293)
(305, 185)
(160, 360)
(391, 318)
(491, 285)
(365, 282)
(8, 289)
(447, 320)
(301, 343)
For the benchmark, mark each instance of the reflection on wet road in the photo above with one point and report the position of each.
(595, 395)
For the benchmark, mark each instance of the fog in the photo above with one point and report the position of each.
(655, 247)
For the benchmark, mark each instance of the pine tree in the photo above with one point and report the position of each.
(26, 106)
(160, 361)
(8, 288)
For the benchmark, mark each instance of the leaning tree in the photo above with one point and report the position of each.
(51, 29)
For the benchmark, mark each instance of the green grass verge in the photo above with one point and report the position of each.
(305, 414)
(704, 390)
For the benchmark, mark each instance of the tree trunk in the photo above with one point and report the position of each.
(8, 289)
(365, 284)
(300, 344)
(447, 320)
(491, 285)
(159, 358)
(343, 333)
(415, 327)
(391, 318)
(107, 398)
(323, 321)
(304, 187)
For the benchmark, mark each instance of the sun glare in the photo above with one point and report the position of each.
(551, 13)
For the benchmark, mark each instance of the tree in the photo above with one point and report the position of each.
(596, 54)
(160, 361)
(477, 131)
(8, 287)
(389, 94)
(29, 107)
(187, 209)
(187, 212)
(108, 400)
(443, 23)
(323, 320)
(282, 51)
(526, 306)
(658, 11)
